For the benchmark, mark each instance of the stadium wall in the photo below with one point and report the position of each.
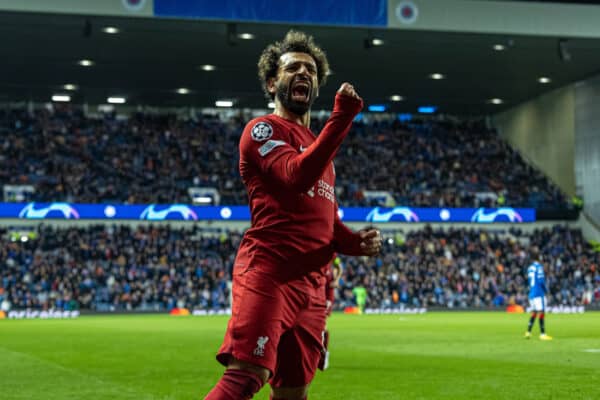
(497, 17)
(589, 227)
(543, 131)
(587, 145)
(126, 8)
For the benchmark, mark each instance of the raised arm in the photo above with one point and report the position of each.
(299, 171)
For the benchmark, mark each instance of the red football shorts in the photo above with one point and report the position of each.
(278, 326)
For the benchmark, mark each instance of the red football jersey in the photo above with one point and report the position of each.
(290, 179)
(329, 288)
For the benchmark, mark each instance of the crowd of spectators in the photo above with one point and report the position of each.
(146, 158)
(142, 159)
(108, 268)
(457, 268)
(436, 164)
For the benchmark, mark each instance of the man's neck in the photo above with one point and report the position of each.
(302, 120)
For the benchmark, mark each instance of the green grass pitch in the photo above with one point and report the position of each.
(432, 356)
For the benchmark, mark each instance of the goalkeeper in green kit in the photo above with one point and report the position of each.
(360, 293)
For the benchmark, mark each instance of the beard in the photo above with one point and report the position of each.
(284, 94)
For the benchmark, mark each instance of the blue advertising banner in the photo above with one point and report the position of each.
(184, 212)
(318, 12)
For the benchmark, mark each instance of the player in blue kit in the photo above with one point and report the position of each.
(537, 297)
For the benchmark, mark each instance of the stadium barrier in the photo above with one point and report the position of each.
(184, 212)
(59, 314)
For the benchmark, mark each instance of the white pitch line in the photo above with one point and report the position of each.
(592, 350)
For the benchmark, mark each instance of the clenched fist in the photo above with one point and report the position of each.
(371, 241)
(348, 90)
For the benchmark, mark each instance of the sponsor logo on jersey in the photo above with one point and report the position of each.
(322, 189)
(261, 131)
(326, 190)
(270, 145)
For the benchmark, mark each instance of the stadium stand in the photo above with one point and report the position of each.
(113, 268)
(67, 156)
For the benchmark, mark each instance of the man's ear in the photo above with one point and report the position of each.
(271, 87)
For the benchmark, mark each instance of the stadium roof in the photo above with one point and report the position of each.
(150, 58)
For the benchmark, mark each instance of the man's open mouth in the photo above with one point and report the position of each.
(301, 91)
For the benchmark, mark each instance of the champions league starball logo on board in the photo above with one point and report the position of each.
(54, 210)
(406, 213)
(504, 214)
(158, 215)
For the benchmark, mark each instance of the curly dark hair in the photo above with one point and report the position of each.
(294, 41)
